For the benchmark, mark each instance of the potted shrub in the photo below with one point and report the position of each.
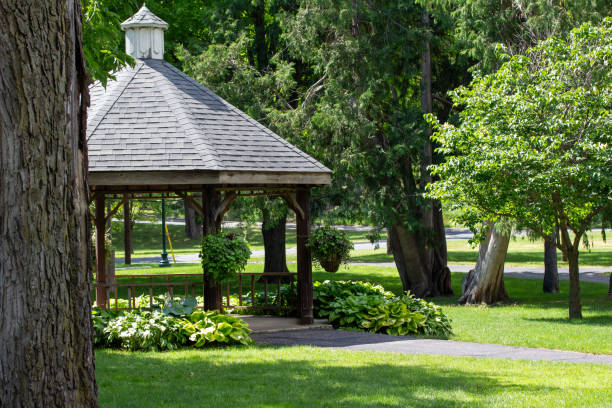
(223, 256)
(330, 247)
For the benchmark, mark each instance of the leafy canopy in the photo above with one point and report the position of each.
(534, 141)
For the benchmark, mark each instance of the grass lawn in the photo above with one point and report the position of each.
(314, 377)
(522, 251)
(531, 319)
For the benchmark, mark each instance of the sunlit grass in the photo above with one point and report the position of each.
(315, 377)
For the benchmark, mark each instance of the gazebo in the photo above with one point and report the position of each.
(155, 132)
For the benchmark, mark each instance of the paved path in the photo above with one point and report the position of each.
(350, 340)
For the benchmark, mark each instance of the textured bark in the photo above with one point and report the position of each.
(610, 288)
(485, 283)
(274, 243)
(191, 226)
(551, 272)
(127, 232)
(420, 255)
(46, 355)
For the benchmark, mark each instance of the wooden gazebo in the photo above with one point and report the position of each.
(155, 132)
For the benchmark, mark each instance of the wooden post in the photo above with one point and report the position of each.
(127, 232)
(212, 291)
(100, 252)
(304, 257)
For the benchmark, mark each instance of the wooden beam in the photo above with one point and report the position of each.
(304, 258)
(100, 222)
(193, 203)
(224, 206)
(114, 210)
(293, 204)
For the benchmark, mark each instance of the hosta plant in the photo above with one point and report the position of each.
(212, 327)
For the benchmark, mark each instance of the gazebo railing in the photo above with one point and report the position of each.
(123, 290)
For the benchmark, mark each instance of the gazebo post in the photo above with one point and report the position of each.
(100, 252)
(304, 257)
(212, 291)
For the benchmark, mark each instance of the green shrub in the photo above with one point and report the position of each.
(364, 306)
(213, 327)
(324, 293)
(155, 331)
(142, 330)
(223, 256)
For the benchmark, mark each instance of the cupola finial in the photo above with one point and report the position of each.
(144, 35)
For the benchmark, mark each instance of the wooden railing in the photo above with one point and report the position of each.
(193, 285)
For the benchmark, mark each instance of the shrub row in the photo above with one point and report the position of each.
(363, 306)
(156, 330)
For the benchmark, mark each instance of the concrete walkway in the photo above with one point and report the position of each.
(349, 340)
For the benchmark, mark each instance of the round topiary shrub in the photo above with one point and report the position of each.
(223, 256)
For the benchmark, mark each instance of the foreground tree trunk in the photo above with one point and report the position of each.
(485, 283)
(46, 355)
(274, 243)
(551, 272)
(610, 288)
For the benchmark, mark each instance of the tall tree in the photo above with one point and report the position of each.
(533, 145)
(46, 355)
(379, 65)
(481, 26)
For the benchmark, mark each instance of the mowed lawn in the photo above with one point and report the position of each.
(522, 250)
(315, 377)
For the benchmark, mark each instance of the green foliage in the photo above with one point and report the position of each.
(156, 331)
(324, 293)
(369, 307)
(149, 331)
(223, 256)
(328, 243)
(534, 142)
(212, 327)
(178, 307)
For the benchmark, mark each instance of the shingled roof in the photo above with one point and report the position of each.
(156, 119)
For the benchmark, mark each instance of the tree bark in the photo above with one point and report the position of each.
(551, 272)
(420, 255)
(485, 283)
(127, 233)
(610, 288)
(191, 226)
(274, 243)
(212, 291)
(46, 354)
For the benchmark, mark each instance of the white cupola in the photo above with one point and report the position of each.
(144, 35)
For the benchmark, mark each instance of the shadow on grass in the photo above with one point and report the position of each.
(286, 377)
(596, 320)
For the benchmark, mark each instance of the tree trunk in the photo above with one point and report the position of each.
(551, 272)
(485, 283)
(575, 307)
(274, 243)
(421, 256)
(192, 230)
(46, 354)
(127, 233)
(610, 288)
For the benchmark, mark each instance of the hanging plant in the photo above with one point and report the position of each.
(330, 247)
(223, 256)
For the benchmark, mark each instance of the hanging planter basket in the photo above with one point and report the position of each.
(331, 264)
